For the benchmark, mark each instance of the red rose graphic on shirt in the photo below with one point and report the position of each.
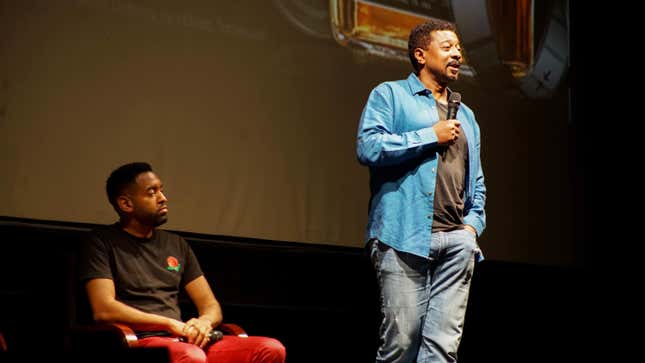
(173, 264)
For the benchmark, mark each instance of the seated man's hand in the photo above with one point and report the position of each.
(196, 330)
(176, 327)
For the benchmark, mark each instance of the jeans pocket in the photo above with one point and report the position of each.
(374, 251)
(477, 252)
(479, 256)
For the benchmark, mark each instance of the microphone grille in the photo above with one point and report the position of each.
(455, 97)
(215, 335)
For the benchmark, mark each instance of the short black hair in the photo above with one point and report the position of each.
(121, 178)
(420, 37)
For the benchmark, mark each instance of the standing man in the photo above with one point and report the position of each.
(133, 273)
(427, 201)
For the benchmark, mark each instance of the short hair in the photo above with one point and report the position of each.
(420, 36)
(121, 178)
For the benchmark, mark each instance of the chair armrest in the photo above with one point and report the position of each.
(111, 335)
(3, 343)
(232, 329)
(129, 338)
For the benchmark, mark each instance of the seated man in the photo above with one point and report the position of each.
(133, 273)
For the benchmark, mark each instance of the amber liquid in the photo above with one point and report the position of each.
(383, 26)
(512, 23)
(379, 22)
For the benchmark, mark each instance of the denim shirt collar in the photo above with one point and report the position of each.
(416, 87)
(415, 84)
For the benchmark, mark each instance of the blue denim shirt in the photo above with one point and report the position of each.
(397, 142)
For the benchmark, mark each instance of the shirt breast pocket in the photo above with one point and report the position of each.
(416, 118)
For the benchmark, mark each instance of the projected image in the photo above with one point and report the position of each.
(249, 110)
(528, 37)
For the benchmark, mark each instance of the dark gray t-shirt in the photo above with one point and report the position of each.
(451, 179)
(147, 273)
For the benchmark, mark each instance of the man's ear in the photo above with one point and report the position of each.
(125, 204)
(419, 56)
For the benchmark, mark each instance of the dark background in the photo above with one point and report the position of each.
(319, 299)
(251, 122)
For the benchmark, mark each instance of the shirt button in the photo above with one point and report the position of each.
(429, 193)
(429, 217)
(433, 170)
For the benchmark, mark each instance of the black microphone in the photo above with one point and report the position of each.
(453, 105)
(213, 336)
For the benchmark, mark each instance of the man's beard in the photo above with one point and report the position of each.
(159, 220)
(443, 77)
(446, 78)
(152, 219)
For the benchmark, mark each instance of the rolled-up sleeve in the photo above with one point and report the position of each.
(378, 143)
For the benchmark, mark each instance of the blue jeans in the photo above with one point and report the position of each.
(423, 300)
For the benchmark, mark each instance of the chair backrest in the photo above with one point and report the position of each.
(3, 343)
(82, 333)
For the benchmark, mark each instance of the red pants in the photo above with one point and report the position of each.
(231, 349)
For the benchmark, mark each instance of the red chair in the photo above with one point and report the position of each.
(121, 336)
(3, 343)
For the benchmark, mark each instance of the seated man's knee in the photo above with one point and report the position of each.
(188, 353)
(269, 350)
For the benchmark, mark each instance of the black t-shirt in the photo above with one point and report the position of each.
(147, 273)
(450, 182)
